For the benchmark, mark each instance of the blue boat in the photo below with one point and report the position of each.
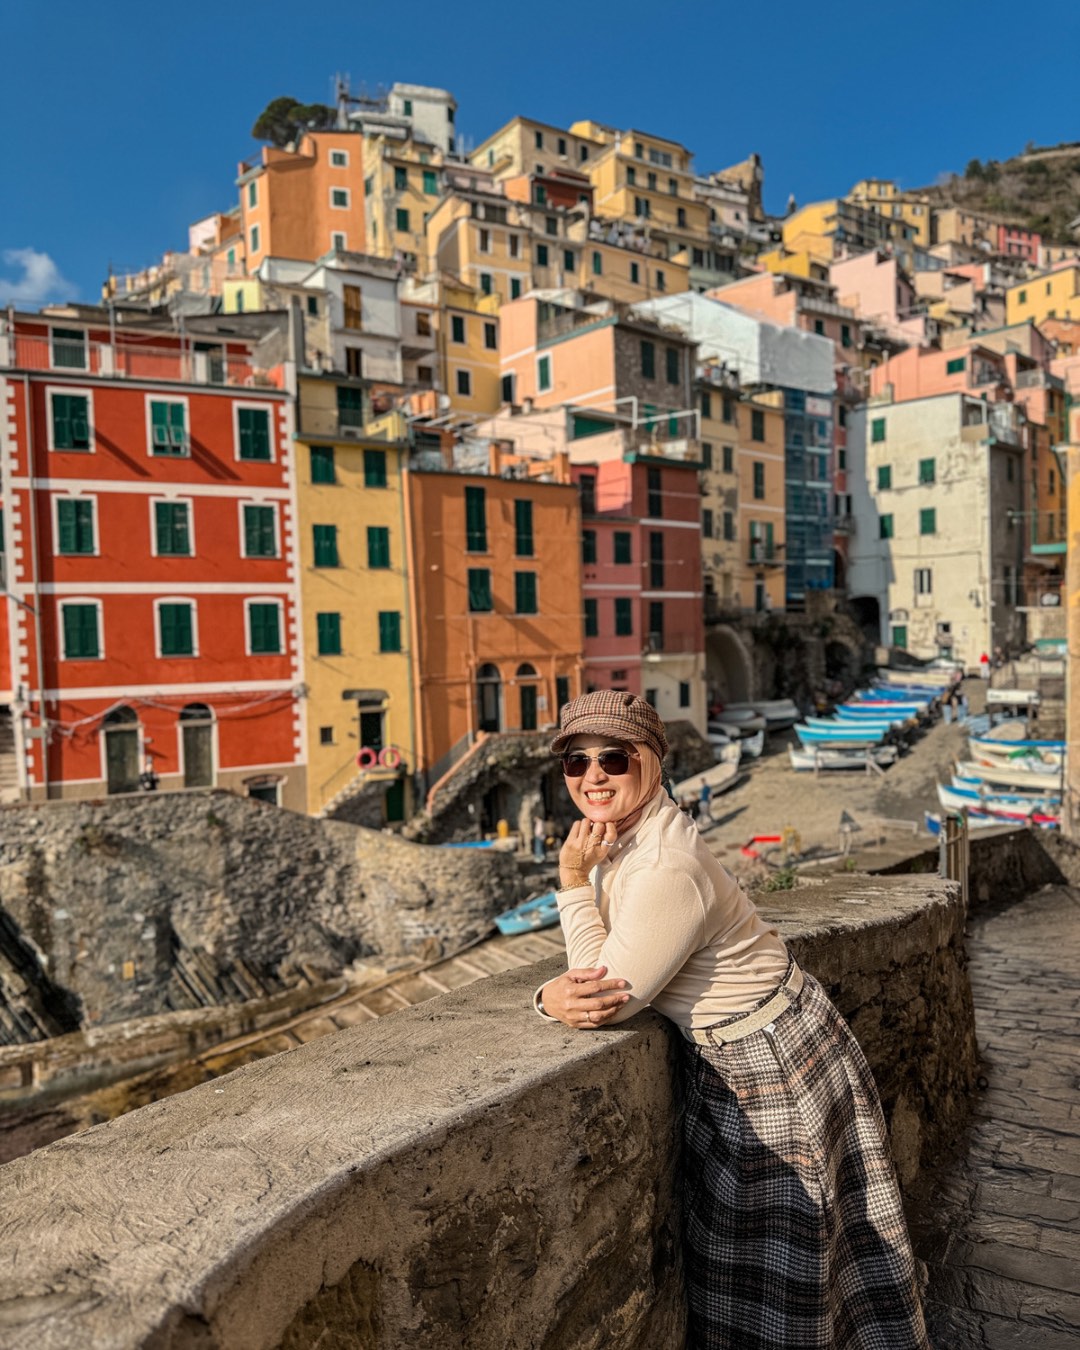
(839, 735)
(541, 912)
(1009, 747)
(847, 725)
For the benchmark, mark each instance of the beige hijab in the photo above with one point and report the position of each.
(649, 783)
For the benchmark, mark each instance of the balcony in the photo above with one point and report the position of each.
(334, 423)
(1006, 425)
(761, 553)
(658, 645)
(127, 359)
(1048, 532)
(844, 525)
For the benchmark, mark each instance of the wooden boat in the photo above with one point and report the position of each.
(1013, 745)
(882, 724)
(975, 822)
(976, 791)
(1003, 755)
(824, 757)
(955, 801)
(540, 912)
(778, 713)
(837, 736)
(880, 712)
(1010, 775)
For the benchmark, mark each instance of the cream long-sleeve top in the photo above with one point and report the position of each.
(665, 915)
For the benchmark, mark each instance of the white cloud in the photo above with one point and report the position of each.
(41, 280)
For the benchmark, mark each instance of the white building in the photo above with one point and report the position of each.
(936, 556)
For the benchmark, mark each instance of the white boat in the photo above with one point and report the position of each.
(733, 729)
(1010, 776)
(1013, 729)
(752, 746)
(1012, 698)
(991, 806)
(998, 756)
(720, 777)
(923, 675)
(827, 758)
(778, 713)
(740, 714)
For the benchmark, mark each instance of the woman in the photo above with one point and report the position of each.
(794, 1232)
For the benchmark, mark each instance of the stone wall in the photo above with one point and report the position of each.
(457, 1174)
(130, 907)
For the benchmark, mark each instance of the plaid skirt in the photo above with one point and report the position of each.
(795, 1237)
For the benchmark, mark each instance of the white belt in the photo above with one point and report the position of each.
(740, 1027)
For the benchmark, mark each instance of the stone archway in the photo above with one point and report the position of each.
(729, 666)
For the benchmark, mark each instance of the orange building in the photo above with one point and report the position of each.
(305, 202)
(496, 607)
(151, 600)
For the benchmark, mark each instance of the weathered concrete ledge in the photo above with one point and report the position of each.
(456, 1174)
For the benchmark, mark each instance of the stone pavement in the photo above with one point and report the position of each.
(1001, 1231)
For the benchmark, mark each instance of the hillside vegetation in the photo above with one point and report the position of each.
(1039, 189)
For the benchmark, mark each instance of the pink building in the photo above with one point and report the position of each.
(919, 373)
(1016, 242)
(877, 289)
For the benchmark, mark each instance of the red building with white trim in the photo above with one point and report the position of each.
(149, 616)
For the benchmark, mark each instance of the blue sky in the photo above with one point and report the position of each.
(127, 120)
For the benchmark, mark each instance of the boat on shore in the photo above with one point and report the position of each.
(825, 757)
(1012, 775)
(540, 912)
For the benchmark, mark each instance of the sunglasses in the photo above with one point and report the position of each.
(613, 762)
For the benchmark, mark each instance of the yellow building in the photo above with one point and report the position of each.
(524, 146)
(883, 196)
(1048, 295)
(403, 179)
(468, 349)
(828, 229)
(800, 264)
(953, 226)
(483, 240)
(646, 179)
(354, 588)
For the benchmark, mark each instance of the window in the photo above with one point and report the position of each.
(322, 464)
(480, 601)
(656, 559)
(759, 481)
(728, 458)
(656, 625)
(74, 525)
(819, 327)
(706, 523)
(1022, 297)
(313, 306)
(401, 178)
(326, 735)
(375, 468)
(1051, 482)
(924, 581)
(515, 288)
(680, 217)
(457, 328)
(757, 425)
(337, 239)
(525, 601)
(655, 493)
(326, 549)
(260, 532)
(543, 374)
(354, 309)
(369, 185)
(339, 159)
(592, 621)
(885, 527)
(389, 630)
(635, 273)
(464, 383)
(926, 471)
(476, 520)
(539, 191)
(491, 337)
(264, 627)
(378, 546)
(70, 422)
(877, 430)
(955, 366)
(661, 284)
(339, 199)
(484, 242)
(623, 547)
(551, 225)
(671, 358)
(80, 627)
(884, 477)
(254, 238)
(168, 434)
(631, 176)
(562, 145)
(431, 183)
(624, 616)
(172, 529)
(406, 104)
(541, 255)
(538, 140)
(588, 546)
(684, 693)
(515, 245)
(729, 526)
(176, 629)
(587, 488)
(706, 454)
(523, 527)
(845, 335)
(253, 425)
(928, 520)
(485, 282)
(899, 635)
(328, 634)
(728, 411)
(69, 348)
(597, 263)
(648, 360)
(651, 179)
(401, 220)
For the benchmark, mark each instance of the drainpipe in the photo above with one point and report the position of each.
(411, 626)
(38, 648)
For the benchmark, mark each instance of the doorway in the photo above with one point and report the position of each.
(121, 730)
(489, 698)
(197, 736)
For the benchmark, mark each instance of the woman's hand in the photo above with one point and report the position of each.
(582, 998)
(588, 843)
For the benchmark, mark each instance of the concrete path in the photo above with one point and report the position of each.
(1002, 1235)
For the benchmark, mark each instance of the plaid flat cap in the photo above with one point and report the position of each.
(615, 713)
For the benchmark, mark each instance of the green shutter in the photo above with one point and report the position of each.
(884, 477)
(71, 421)
(329, 634)
(525, 593)
(592, 623)
(326, 550)
(885, 527)
(75, 518)
(588, 546)
(177, 632)
(167, 428)
(171, 529)
(375, 468)
(927, 472)
(378, 546)
(254, 426)
(479, 590)
(877, 430)
(928, 520)
(475, 520)
(265, 629)
(624, 616)
(622, 547)
(260, 537)
(523, 528)
(322, 464)
(81, 632)
(389, 631)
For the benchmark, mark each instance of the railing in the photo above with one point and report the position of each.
(134, 360)
(1048, 530)
(334, 421)
(1038, 379)
(670, 644)
(764, 553)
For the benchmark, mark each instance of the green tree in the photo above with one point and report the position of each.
(286, 119)
(974, 169)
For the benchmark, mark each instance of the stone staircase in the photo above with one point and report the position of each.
(9, 769)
